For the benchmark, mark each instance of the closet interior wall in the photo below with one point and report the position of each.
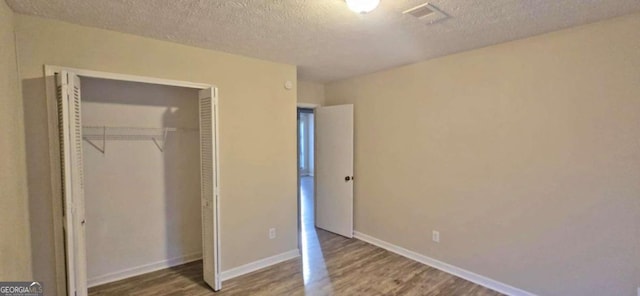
(142, 202)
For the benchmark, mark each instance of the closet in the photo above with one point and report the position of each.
(138, 166)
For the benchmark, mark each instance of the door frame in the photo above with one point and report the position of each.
(299, 215)
(54, 156)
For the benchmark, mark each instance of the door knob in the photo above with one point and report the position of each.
(347, 178)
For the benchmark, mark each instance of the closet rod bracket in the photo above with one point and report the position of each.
(104, 141)
(164, 140)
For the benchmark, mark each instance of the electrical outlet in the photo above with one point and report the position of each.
(272, 233)
(435, 236)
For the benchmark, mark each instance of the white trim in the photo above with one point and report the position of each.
(448, 268)
(307, 105)
(142, 269)
(50, 69)
(217, 188)
(259, 264)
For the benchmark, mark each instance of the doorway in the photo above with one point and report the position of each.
(308, 242)
(140, 151)
(325, 180)
(64, 88)
(306, 166)
(325, 169)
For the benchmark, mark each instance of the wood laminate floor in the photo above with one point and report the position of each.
(330, 265)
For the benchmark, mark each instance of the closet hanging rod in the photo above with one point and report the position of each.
(158, 135)
(134, 128)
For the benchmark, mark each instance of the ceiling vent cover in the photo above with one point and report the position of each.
(426, 13)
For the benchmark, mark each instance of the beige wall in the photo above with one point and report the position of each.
(142, 204)
(15, 258)
(257, 129)
(525, 156)
(311, 93)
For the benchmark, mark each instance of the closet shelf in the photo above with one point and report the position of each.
(158, 135)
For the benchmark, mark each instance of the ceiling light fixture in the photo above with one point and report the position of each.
(362, 6)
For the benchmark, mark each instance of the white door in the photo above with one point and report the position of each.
(70, 130)
(209, 187)
(334, 169)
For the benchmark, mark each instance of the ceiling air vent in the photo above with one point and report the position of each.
(426, 13)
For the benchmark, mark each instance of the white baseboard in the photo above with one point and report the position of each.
(142, 269)
(260, 264)
(448, 268)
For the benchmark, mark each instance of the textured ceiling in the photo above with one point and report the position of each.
(325, 39)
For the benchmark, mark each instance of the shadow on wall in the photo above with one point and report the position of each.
(39, 183)
(181, 176)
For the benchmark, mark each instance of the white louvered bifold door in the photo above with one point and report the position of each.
(209, 187)
(70, 130)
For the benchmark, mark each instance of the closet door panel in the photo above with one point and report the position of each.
(77, 177)
(70, 131)
(209, 189)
